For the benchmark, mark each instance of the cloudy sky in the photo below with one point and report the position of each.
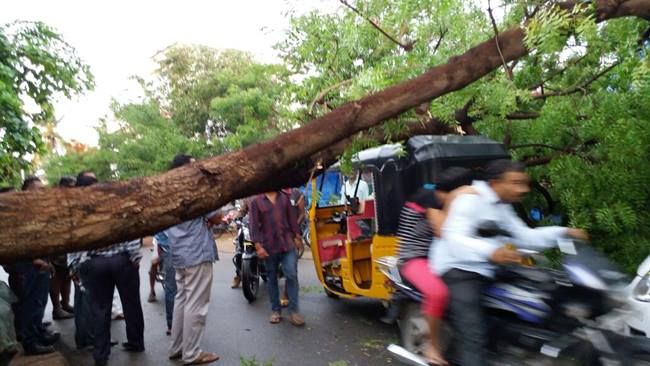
(117, 39)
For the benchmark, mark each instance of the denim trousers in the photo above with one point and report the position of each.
(32, 289)
(169, 285)
(289, 261)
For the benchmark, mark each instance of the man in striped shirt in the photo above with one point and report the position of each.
(103, 270)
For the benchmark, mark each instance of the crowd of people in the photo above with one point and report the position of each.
(184, 253)
(438, 254)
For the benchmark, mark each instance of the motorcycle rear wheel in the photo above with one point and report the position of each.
(250, 280)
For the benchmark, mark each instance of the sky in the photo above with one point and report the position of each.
(118, 38)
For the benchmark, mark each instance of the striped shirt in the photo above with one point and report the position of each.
(132, 248)
(414, 230)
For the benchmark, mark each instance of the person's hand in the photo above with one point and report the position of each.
(41, 265)
(74, 277)
(505, 256)
(298, 242)
(261, 252)
(578, 234)
(136, 263)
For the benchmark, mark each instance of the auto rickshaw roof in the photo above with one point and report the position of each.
(427, 147)
(423, 148)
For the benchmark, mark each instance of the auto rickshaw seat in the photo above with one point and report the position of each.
(362, 226)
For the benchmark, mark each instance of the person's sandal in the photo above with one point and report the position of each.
(205, 357)
(297, 320)
(275, 318)
(176, 356)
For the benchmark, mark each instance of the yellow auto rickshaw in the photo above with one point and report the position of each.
(353, 221)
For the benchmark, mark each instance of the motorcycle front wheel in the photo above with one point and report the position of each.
(250, 280)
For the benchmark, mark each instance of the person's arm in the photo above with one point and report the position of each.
(215, 217)
(255, 229)
(436, 218)
(528, 238)
(301, 208)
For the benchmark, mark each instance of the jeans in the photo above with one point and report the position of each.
(289, 261)
(106, 273)
(169, 285)
(466, 315)
(32, 289)
(83, 320)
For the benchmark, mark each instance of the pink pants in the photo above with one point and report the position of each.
(435, 292)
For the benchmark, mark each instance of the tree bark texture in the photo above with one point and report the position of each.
(39, 223)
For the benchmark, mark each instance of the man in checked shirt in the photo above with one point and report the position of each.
(104, 269)
(274, 230)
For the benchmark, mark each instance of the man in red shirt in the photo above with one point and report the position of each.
(274, 230)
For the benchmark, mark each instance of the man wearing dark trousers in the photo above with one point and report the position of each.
(107, 268)
(30, 281)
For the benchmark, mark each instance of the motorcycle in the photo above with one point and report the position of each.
(251, 268)
(569, 315)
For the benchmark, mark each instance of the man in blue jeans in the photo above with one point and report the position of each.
(169, 284)
(274, 230)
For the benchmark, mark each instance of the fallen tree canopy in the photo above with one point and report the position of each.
(47, 222)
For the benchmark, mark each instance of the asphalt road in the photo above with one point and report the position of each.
(338, 332)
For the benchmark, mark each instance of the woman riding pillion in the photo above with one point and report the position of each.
(420, 220)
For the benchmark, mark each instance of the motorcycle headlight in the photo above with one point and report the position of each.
(642, 289)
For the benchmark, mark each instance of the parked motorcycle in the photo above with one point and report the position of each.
(252, 268)
(537, 313)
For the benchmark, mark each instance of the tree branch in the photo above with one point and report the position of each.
(521, 115)
(580, 87)
(443, 33)
(321, 96)
(406, 47)
(496, 41)
(523, 146)
(558, 72)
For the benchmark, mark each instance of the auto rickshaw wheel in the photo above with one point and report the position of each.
(330, 294)
(250, 280)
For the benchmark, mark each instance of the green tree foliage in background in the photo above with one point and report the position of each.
(36, 65)
(144, 144)
(223, 95)
(203, 102)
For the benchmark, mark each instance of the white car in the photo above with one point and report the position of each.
(639, 300)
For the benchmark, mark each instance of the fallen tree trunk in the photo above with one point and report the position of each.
(54, 221)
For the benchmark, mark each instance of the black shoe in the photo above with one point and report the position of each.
(128, 347)
(37, 349)
(101, 363)
(114, 342)
(49, 338)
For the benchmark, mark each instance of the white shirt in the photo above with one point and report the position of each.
(350, 186)
(460, 247)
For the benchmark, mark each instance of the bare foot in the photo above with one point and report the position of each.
(434, 357)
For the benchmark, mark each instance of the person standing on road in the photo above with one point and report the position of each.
(169, 283)
(61, 283)
(30, 281)
(274, 230)
(193, 251)
(106, 269)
